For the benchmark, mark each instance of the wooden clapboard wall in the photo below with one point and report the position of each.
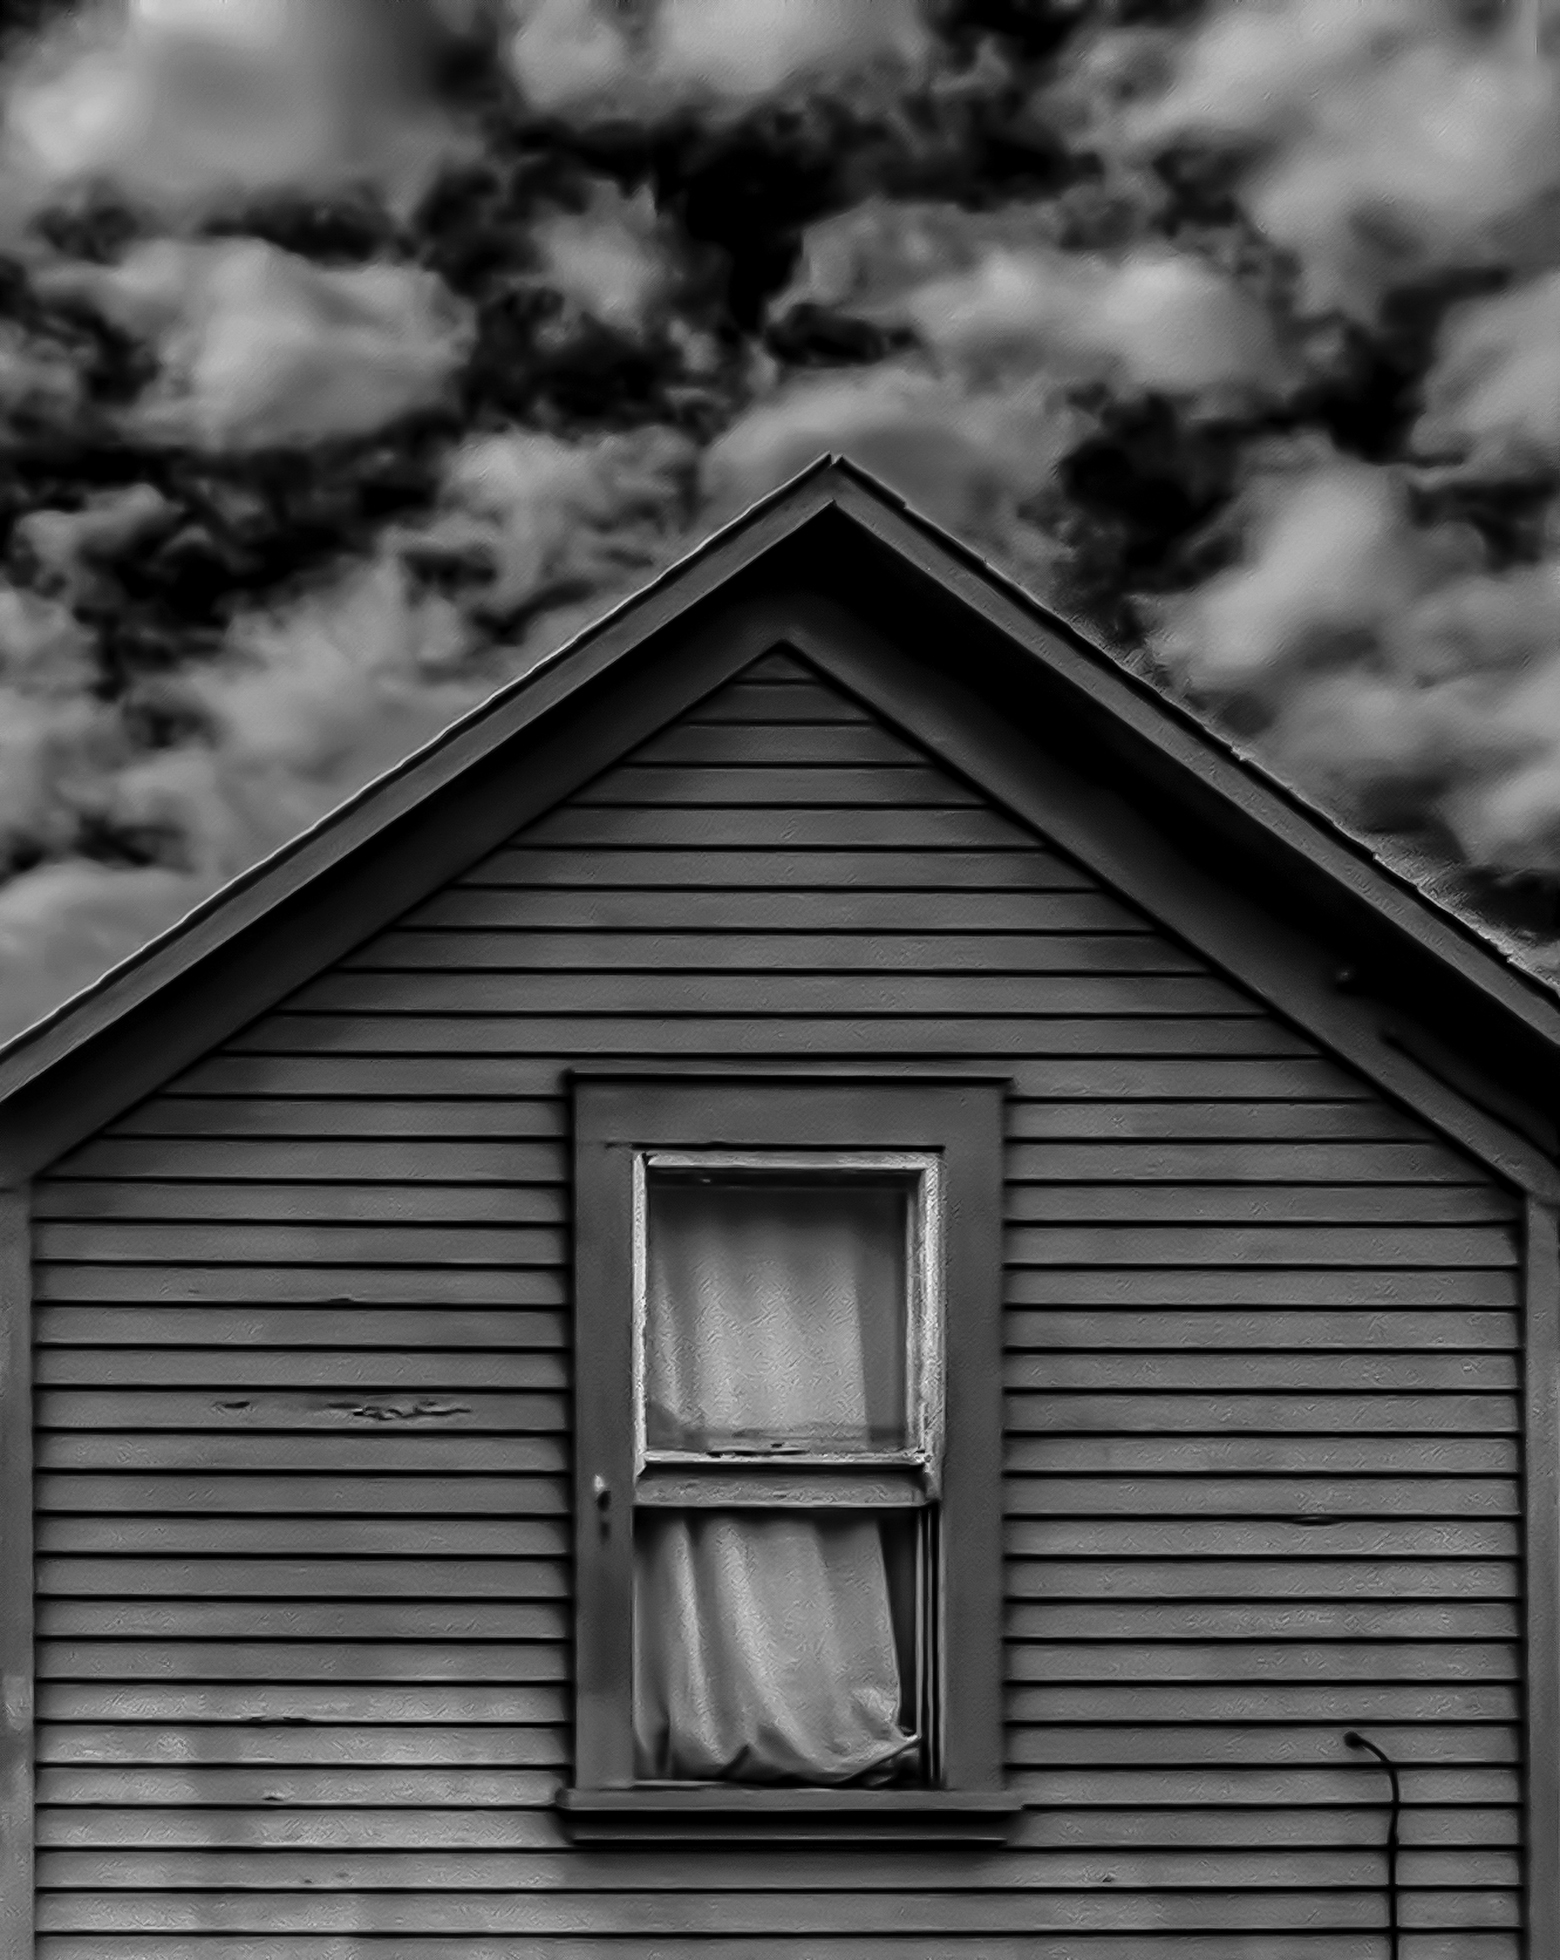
(303, 1372)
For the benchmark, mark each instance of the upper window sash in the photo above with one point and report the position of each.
(785, 1476)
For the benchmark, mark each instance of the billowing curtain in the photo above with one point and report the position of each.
(764, 1640)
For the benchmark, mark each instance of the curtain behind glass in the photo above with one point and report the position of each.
(764, 1640)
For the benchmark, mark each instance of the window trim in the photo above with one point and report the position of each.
(619, 1115)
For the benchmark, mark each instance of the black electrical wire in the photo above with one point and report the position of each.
(1356, 1741)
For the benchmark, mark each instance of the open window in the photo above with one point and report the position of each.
(787, 1454)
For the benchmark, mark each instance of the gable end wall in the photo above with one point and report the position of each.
(302, 1354)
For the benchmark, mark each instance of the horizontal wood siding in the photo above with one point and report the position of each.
(303, 1399)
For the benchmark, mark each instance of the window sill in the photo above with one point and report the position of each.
(717, 1814)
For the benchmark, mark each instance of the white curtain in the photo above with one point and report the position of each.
(764, 1641)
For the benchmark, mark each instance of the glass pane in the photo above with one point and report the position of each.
(778, 1647)
(776, 1314)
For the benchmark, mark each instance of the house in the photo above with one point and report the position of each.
(826, 1285)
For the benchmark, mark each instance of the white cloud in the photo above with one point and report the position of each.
(609, 260)
(188, 105)
(1385, 138)
(1495, 388)
(260, 346)
(578, 56)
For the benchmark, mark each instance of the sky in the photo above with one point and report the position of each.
(353, 353)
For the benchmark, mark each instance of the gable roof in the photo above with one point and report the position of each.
(837, 533)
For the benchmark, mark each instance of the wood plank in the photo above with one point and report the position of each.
(672, 947)
(438, 1289)
(1080, 1120)
(416, 1161)
(248, 1201)
(398, 1702)
(1256, 1204)
(1303, 1538)
(904, 784)
(300, 1578)
(869, 1871)
(1253, 1162)
(235, 1497)
(772, 906)
(1110, 1788)
(1431, 1753)
(1205, 1076)
(1146, 1287)
(804, 1915)
(1307, 1620)
(1320, 1666)
(200, 1244)
(899, 863)
(345, 1367)
(731, 745)
(781, 668)
(1251, 1576)
(1253, 1245)
(350, 1620)
(661, 1032)
(254, 1119)
(1209, 1369)
(17, 1613)
(199, 1785)
(739, 827)
(308, 1745)
(172, 1674)
(475, 993)
(453, 1537)
(186, 1411)
(272, 1454)
(535, 1331)
(1378, 1413)
(1332, 1945)
(1262, 1497)
(1277, 1328)
(759, 702)
(1225, 1455)
(530, 1832)
(455, 1159)
(1324, 1701)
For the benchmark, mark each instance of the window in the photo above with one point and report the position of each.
(788, 1438)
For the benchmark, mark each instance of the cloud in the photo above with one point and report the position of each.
(1328, 557)
(608, 261)
(966, 457)
(545, 521)
(57, 738)
(71, 547)
(1494, 391)
(1383, 139)
(188, 105)
(1383, 665)
(259, 346)
(579, 56)
(994, 290)
(746, 49)
(35, 375)
(1154, 319)
(304, 703)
